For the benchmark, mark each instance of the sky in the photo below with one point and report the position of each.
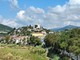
(48, 13)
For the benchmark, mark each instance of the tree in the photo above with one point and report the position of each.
(51, 39)
(68, 41)
(7, 39)
(34, 41)
(75, 46)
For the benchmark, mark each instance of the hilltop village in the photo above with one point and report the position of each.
(23, 35)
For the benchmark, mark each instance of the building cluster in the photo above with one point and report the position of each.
(37, 31)
(20, 39)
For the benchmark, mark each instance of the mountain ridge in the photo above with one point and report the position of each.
(4, 28)
(64, 28)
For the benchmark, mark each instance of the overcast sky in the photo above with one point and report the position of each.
(49, 13)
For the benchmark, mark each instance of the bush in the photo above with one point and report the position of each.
(38, 50)
(34, 41)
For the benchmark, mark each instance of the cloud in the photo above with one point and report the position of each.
(48, 19)
(8, 22)
(31, 15)
(14, 3)
(57, 9)
(58, 16)
(74, 2)
(20, 14)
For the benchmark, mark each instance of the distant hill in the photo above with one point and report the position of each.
(64, 28)
(4, 28)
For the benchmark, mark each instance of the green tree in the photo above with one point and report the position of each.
(34, 41)
(7, 39)
(51, 39)
(74, 47)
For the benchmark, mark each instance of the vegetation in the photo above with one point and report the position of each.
(34, 41)
(26, 30)
(51, 39)
(58, 45)
(16, 52)
(60, 42)
(4, 28)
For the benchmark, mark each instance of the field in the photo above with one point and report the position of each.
(16, 52)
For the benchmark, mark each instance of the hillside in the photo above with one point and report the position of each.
(4, 28)
(27, 30)
(64, 28)
(15, 52)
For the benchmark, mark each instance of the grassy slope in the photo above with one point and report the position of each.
(14, 52)
(5, 28)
